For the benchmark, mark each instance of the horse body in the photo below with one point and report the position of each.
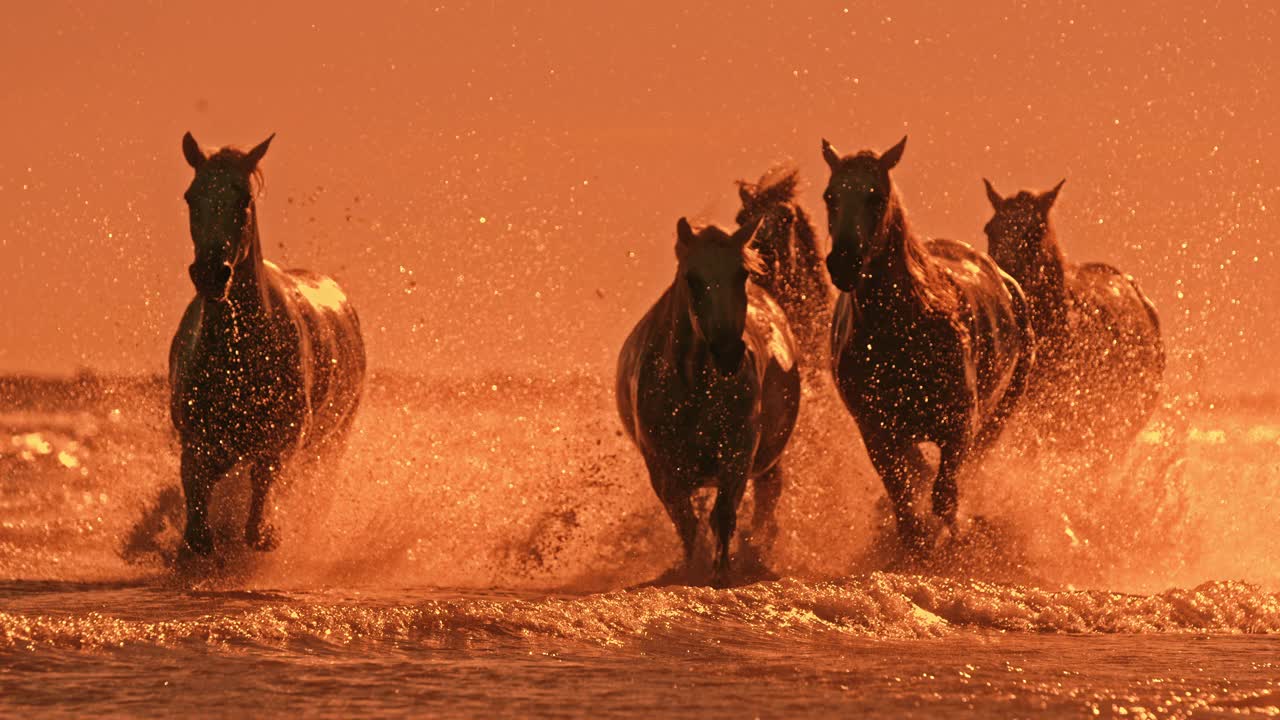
(267, 365)
(788, 246)
(1100, 354)
(699, 421)
(931, 342)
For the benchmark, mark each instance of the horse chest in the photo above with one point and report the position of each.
(907, 376)
(229, 389)
(695, 426)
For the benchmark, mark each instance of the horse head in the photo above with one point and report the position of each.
(860, 208)
(769, 205)
(1018, 235)
(220, 206)
(713, 268)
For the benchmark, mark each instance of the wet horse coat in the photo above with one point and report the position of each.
(1100, 358)
(708, 387)
(267, 365)
(930, 341)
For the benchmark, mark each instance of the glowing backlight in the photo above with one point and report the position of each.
(325, 293)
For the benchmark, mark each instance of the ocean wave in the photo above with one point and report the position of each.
(879, 605)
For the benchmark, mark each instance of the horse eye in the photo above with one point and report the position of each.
(695, 283)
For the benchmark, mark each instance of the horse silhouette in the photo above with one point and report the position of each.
(1100, 358)
(708, 387)
(931, 341)
(267, 365)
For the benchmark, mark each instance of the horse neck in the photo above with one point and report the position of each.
(247, 297)
(806, 241)
(1047, 286)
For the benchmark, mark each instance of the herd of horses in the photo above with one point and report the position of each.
(929, 342)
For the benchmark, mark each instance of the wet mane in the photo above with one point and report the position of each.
(928, 287)
(776, 186)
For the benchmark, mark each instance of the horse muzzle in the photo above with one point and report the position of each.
(727, 355)
(844, 274)
(211, 281)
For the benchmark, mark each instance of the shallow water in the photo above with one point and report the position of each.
(478, 548)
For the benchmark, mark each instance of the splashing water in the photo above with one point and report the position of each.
(496, 524)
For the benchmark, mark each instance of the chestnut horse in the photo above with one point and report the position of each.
(1100, 359)
(267, 364)
(930, 341)
(708, 387)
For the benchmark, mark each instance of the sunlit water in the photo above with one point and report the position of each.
(478, 551)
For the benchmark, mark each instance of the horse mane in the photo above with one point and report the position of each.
(806, 236)
(929, 287)
(776, 186)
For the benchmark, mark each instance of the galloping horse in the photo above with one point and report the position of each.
(788, 246)
(930, 341)
(267, 364)
(708, 386)
(1100, 359)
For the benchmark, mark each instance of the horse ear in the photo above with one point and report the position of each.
(744, 194)
(829, 154)
(889, 160)
(684, 233)
(254, 156)
(992, 195)
(192, 152)
(1048, 197)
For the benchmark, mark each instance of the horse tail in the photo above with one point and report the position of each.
(1022, 369)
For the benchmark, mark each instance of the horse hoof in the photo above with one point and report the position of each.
(198, 544)
(262, 539)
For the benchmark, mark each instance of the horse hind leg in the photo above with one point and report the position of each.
(258, 533)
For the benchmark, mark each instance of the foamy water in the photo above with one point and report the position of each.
(479, 547)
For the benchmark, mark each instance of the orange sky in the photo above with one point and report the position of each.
(581, 133)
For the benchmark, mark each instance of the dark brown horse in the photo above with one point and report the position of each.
(788, 246)
(708, 387)
(1100, 359)
(267, 364)
(931, 342)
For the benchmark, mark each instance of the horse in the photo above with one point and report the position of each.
(931, 342)
(708, 387)
(787, 243)
(1100, 354)
(267, 365)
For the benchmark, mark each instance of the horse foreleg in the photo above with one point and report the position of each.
(199, 472)
(258, 534)
(724, 518)
(901, 470)
(945, 492)
(767, 489)
(677, 500)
